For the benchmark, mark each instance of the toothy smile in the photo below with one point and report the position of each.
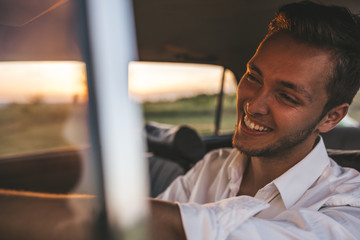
(255, 127)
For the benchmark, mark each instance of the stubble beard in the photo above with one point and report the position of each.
(284, 144)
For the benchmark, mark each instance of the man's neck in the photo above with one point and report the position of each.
(263, 170)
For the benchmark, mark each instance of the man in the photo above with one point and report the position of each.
(278, 182)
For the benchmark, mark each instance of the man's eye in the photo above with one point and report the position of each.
(252, 78)
(288, 98)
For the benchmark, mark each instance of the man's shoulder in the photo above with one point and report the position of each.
(222, 153)
(344, 183)
(216, 160)
(345, 158)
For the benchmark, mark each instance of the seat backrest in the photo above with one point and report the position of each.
(344, 138)
(172, 151)
(346, 158)
(180, 144)
(343, 145)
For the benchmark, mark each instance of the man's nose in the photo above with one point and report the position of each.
(259, 104)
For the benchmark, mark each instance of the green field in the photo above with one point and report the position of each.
(38, 126)
(31, 127)
(197, 112)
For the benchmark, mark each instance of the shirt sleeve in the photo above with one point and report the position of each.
(217, 220)
(233, 218)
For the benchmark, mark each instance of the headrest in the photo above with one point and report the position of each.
(175, 142)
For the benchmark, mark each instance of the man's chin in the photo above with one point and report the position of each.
(265, 151)
(251, 152)
(245, 149)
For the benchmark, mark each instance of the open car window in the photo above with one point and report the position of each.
(184, 94)
(45, 147)
(43, 106)
(353, 117)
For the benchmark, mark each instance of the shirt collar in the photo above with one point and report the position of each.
(294, 182)
(236, 170)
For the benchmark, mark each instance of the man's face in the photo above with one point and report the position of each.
(281, 97)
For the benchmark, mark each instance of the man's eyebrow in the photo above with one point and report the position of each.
(292, 86)
(252, 66)
(297, 88)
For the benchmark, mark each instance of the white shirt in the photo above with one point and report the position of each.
(315, 199)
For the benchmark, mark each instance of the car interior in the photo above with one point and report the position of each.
(213, 32)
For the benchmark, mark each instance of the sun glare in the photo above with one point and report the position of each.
(155, 81)
(52, 81)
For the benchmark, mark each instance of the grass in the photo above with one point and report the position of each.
(31, 127)
(197, 112)
(38, 126)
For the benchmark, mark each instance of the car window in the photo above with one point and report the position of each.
(45, 148)
(184, 94)
(43, 106)
(353, 117)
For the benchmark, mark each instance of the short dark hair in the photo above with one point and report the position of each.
(331, 28)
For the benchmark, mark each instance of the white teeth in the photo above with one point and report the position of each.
(254, 126)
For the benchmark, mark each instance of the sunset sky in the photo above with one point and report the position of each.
(58, 81)
(54, 81)
(153, 81)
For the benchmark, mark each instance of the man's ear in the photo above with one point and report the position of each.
(333, 117)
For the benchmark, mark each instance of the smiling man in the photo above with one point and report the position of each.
(278, 182)
(280, 99)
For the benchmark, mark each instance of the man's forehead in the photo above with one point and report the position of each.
(288, 41)
(283, 52)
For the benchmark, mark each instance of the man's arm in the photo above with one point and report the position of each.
(166, 220)
(234, 218)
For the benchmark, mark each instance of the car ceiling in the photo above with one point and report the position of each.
(221, 32)
(38, 30)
